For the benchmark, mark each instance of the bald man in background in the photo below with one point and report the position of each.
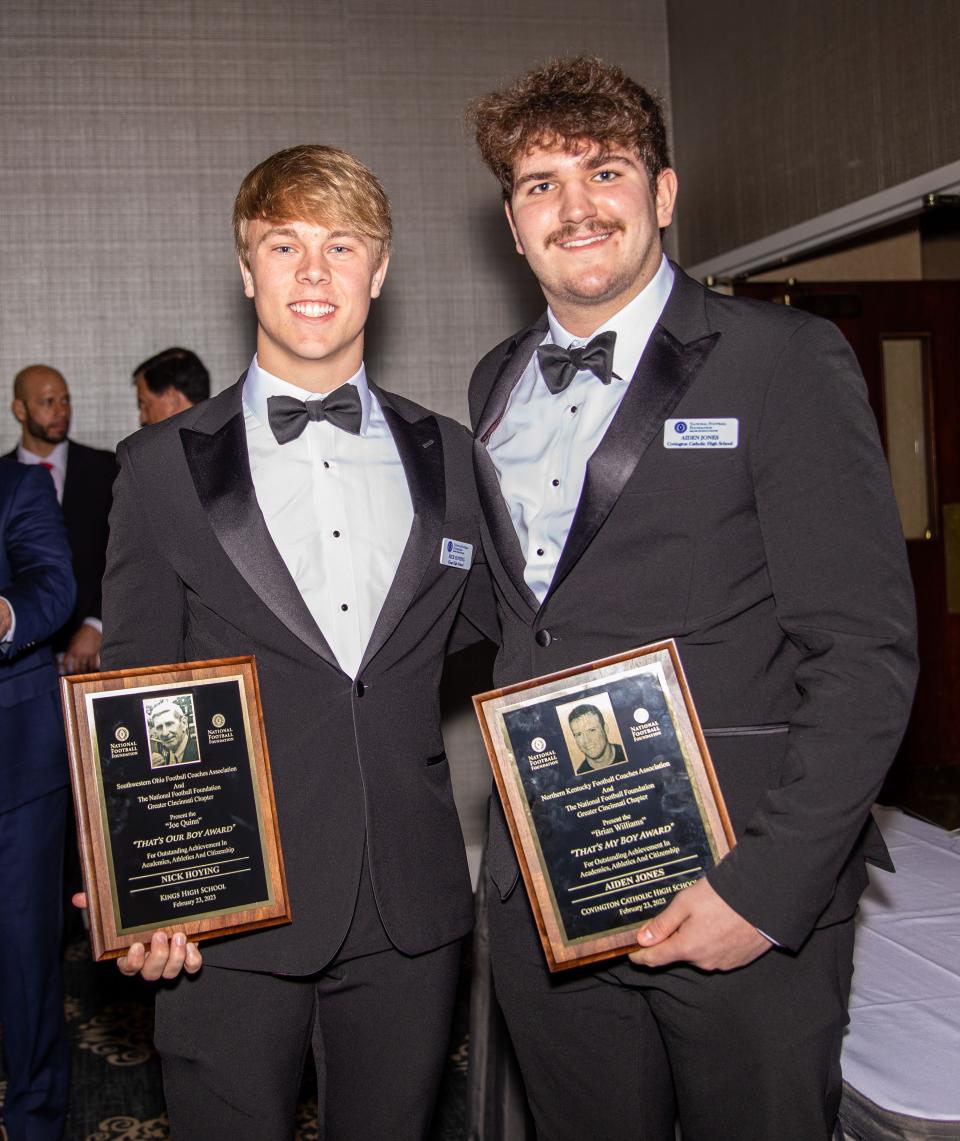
(83, 478)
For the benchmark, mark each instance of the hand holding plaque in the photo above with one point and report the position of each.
(175, 811)
(610, 796)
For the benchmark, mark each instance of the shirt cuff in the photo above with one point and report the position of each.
(95, 623)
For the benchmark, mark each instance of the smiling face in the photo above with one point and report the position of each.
(312, 286)
(590, 733)
(170, 726)
(589, 225)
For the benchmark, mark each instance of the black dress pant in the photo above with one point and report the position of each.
(233, 1046)
(612, 1053)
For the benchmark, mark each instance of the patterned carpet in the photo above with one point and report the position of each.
(115, 1091)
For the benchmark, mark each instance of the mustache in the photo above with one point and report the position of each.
(573, 230)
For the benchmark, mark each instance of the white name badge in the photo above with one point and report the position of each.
(453, 553)
(721, 433)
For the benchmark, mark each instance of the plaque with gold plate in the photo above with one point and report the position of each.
(175, 810)
(609, 794)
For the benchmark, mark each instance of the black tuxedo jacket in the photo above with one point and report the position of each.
(87, 491)
(192, 573)
(778, 566)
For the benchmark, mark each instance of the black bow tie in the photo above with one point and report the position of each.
(559, 366)
(288, 416)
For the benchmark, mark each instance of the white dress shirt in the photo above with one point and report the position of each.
(57, 461)
(542, 444)
(337, 506)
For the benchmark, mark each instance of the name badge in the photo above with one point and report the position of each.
(453, 553)
(721, 433)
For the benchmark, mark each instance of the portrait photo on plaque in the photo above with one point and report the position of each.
(175, 807)
(591, 733)
(609, 794)
(172, 728)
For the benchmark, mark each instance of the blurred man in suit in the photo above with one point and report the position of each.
(36, 597)
(83, 478)
(168, 383)
(659, 461)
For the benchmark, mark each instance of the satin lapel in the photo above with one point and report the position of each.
(220, 467)
(506, 558)
(509, 558)
(510, 372)
(71, 478)
(665, 372)
(421, 452)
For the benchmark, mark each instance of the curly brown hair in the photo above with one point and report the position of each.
(568, 103)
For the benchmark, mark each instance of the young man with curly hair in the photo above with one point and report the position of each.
(774, 558)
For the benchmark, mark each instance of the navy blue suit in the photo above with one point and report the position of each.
(37, 582)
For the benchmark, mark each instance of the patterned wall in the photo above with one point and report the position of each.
(128, 124)
(784, 111)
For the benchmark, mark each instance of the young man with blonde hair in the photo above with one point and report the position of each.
(303, 516)
(775, 558)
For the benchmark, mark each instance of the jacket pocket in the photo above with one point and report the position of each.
(748, 730)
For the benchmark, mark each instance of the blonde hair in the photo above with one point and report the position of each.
(317, 184)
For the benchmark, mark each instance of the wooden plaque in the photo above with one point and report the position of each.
(175, 811)
(610, 796)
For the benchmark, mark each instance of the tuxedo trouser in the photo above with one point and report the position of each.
(609, 1051)
(35, 1051)
(233, 1045)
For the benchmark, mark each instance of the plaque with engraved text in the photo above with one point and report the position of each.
(175, 808)
(610, 796)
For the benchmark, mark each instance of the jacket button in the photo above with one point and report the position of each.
(361, 689)
(543, 637)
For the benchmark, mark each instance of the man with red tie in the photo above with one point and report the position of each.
(83, 478)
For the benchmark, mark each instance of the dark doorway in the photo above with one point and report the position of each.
(907, 338)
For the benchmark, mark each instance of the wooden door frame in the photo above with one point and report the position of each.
(893, 204)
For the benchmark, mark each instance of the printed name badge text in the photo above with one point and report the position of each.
(453, 553)
(718, 433)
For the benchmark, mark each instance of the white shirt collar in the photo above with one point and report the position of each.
(260, 384)
(57, 458)
(633, 324)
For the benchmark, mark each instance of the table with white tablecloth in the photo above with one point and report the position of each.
(901, 1055)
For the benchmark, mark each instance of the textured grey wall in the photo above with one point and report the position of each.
(783, 111)
(128, 124)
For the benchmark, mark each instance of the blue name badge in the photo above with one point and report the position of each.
(702, 433)
(453, 553)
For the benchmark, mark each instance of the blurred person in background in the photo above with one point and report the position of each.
(168, 383)
(83, 479)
